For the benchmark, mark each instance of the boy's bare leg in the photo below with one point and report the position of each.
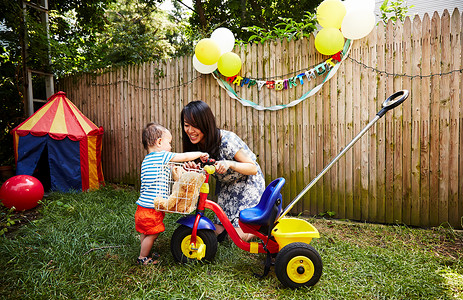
(146, 243)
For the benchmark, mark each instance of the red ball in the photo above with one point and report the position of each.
(21, 191)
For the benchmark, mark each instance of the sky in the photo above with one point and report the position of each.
(167, 5)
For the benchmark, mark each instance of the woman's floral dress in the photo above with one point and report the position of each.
(236, 191)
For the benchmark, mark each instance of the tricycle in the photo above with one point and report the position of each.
(285, 240)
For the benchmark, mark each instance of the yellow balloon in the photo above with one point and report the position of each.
(329, 41)
(207, 51)
(330, 13)
(229, 64)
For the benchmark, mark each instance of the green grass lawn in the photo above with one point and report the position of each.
(84, 246)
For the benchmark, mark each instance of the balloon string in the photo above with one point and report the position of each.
(231, 92)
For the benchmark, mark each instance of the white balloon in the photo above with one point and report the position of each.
(202, 68)
(359, 4)
(225, 38)
(358, 24)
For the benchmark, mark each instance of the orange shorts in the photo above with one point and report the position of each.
(149, 221)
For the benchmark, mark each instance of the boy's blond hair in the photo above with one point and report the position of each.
(151, 133)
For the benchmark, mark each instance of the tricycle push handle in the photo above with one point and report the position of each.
(393, 101)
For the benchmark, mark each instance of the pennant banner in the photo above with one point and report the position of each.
(284, 84)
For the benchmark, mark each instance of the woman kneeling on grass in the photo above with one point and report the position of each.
(240, 182)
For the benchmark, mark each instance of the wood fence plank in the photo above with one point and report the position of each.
(415, 104)
(444, 116)
(455, 64)
(356, 149)
(460, 165)
(389, 142)
(348, 177)
(279, 59)
(311, 205)
(141, 112)
(263, 69)
(434, 142)
(372, 110)
(113, 126)
(319, 141)
(305, 126)
(270, 68)
(406, 122)
(333, 123)
(397, 126)
(325, 122)
(131, 111)
(125, 121)
(177, 93)
(298, 142)
(107, 163)
(292, 154)
(425, 122)
(363, 163)
(341, 134)
(120, 120)
(285, 121)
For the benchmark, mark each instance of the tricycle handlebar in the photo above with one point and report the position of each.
(393, 101)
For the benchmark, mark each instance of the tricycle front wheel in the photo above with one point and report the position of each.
(181, 249)
(298, 264)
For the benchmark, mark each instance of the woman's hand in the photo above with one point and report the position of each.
(222, 166)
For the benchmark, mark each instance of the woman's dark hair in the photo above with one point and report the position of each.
(199, 115)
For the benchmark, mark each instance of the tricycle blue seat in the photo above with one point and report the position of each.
(261, 214)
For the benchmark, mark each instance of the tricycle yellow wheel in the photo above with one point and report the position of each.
(186, 247)
(300, 269)
(180, 246)
(298, 264)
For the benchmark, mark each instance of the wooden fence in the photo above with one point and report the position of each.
(407, 169)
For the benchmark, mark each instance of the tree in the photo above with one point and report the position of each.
(395, 11)
(132, 32)
(239, 14)
(77, 36)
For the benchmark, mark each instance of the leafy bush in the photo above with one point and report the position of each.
(287, 28)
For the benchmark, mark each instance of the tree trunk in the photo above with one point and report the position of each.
(200, 11)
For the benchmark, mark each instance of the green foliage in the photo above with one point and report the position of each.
(12, 38)
(7, 219)
(398, 9)
(84, 35)
(237, 15)
(287, 28)
(11, 106)
(132, 32)
(85, 246)
(328, 213)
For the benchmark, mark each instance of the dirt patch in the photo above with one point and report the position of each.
(20, 218)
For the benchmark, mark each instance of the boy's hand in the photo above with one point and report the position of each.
(204, 157)
(190, 165)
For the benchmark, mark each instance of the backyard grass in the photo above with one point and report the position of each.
(84, 246)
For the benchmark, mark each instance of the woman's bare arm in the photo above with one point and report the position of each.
(242, 164)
